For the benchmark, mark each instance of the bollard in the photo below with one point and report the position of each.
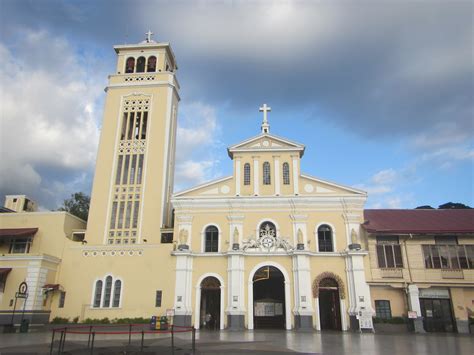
(64, 340)
(141, 346)
(129, 334)
(194, 340)
(92, 344)
(60, 341)
(52, 342)
(172, 338)
(89, 338)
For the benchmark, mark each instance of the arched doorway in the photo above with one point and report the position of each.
(269, 298)
(210, 306)
(329, 305)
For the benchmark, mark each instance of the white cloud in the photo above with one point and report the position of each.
(197, 142)
(49, 131)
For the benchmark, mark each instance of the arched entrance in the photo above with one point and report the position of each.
(329, 305)
(329, 292)
(269, 298)
(210, 304)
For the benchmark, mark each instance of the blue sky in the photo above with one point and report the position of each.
(381, 93)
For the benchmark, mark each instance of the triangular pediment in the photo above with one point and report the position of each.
(223, 187)
(310, 185)
(266, 142)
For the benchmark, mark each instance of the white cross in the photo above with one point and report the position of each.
(265, 109)
(148, 36)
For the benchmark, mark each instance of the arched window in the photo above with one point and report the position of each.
(130, 65)
(108, 291)
(151, 65)
(98, 293)
(117, 290)
(286, 174)
(247, 174)
(266, 173)
(267, 229)
(325, 238)
(211, 241)
(141, 65)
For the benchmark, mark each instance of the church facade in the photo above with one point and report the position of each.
(267, 247)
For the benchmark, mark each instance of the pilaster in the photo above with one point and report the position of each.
(303, 310)
(276, 164)
(414, 305)
(256, 176)
(236, 309)
(296, 189)
(237, 176)
(183, 288)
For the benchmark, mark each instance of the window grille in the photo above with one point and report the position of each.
(266, 173)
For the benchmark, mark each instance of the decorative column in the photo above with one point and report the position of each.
(237, 176)
(276, 164)
(303, 311)
(296, 190)
(256, 174)
(414, 305)
(360, 305)
(184, 271)
(236, 309)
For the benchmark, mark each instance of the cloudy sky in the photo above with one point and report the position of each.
(380, 92)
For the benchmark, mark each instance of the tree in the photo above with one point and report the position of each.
(424, 207)
(453, 205)
(78, 205)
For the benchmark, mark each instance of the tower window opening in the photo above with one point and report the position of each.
(140, 169)
(133, 169)
(128, 214)
(137, 125)
(113, 216)
(130, 65)
(247, 174)
(144, 123)
(125, 169)
(151, 66)
(266, 173)
(108, 291)
(120, 215)
(119, 170)
(141, 64)
(131, 118)
(124, 127)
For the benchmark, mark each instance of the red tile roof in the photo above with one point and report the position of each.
(419, 221)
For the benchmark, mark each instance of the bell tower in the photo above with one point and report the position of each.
(134, 173)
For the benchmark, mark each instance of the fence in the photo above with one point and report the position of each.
(92, 330)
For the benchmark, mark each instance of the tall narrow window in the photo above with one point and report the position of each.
(128, 214)
(125, 169)
(135, 214)
(141, 64)
(130, 65)
(117, 290)
(133, 169)
(137, 125)
(325, 238)
(120, 215)
(266, 173)
(113, 215)
(211, 239)
(107, 291)
(158, 297)
(286, 174)
(144, 122)
(124, 127)
(140, 169)
(389, 253)
(97, 293)
(119, 170)
(62, 299)
(131, 118)
(151, 65)
(247, 174)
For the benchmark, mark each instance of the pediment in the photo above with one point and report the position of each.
(310, 185)
(223, 187)
(266, 142)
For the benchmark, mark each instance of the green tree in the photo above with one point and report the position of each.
(78, 205)
(453, 205)
(424, 207)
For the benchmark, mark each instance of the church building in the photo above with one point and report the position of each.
(267, 247)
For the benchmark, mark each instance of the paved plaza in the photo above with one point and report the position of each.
(254, 342)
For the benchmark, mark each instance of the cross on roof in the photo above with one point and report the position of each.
(148, 36)
(265, 126)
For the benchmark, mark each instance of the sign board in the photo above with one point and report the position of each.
(22, 291)
(434, 293)
(412, 314)
(365, 319)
